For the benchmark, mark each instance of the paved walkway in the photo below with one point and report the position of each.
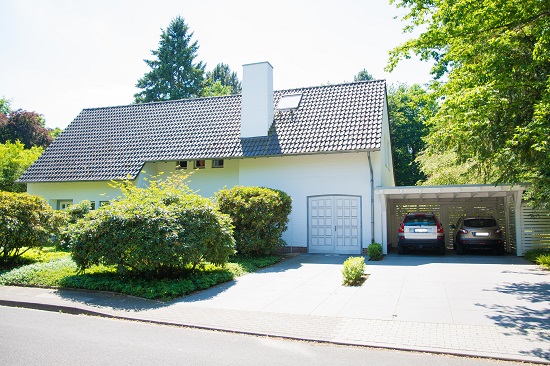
(469, 305)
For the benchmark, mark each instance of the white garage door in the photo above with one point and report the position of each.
(334, 224)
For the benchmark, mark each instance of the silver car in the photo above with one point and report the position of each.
(480, 232)
(420, 231)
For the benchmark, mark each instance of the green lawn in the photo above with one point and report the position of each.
(52, 268)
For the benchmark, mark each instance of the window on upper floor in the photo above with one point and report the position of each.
(217, 163)
(200, 164)
(64, 204)
(181, 164)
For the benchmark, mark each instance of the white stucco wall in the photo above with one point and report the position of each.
(310, 175)
(205, 181)
(75, 191)
(299, 176)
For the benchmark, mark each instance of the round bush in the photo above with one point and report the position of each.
(260, 216)
(26, 221)
(153, 232)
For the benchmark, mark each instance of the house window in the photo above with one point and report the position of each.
(103, 203)
(93, 205)
(181, 164)
(200, 164)
(217, 163)
(64, 204)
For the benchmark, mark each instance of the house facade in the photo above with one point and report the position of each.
(328, 147)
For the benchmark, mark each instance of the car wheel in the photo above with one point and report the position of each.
(400, 250)
(500, 251)
(442, 250)
(459, 249)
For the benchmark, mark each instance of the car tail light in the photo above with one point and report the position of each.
(439, 228)
(401, 228)
(463, 231)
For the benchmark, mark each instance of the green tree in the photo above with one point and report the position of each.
(27, 127)
(409, 108)
(363, 75)
(14, 160)
(226, 77)
(174, 72)
(55, 132)
(492, 72)
(5, 106)
(214, 89)
(25, 222)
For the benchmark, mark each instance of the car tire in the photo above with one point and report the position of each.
(459, 249)
(500, 251)
(442, 250)
(400, 250)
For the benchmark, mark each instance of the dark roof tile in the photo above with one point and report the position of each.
(114, 142)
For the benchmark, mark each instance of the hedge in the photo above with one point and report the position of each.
(26, 221)
(260, 216)
(154, 232)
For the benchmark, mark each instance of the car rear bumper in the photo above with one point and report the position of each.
(481, 243)
(421, 243)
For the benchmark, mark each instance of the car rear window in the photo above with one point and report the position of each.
(480, 222)
(417, 220)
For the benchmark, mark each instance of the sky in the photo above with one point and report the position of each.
(58, 57)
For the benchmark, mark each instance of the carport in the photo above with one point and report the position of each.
(449, 203)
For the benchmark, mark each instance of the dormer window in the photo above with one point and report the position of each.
(289, 102)
(181, 164)
(200, 164)
(217, 163)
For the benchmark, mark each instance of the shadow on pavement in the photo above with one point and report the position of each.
(522, 319)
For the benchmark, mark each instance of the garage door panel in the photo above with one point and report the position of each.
(339, 216)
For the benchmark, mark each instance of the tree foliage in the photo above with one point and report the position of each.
(409, 108)
(174, 72)
(226, 78)
(363, 75)
(14, 160)
(492, 73)
(27, 127)
(214, 89)
(25, 222)
(154, 232)
(5, 106)
(260, 216)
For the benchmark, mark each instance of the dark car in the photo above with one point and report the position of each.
(478, 233)
(420, 231)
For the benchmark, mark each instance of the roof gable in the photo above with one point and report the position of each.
(114, 142)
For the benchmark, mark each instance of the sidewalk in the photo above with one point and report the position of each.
(334, 317)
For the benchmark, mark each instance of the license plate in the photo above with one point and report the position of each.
(420, 230)
(481, 234)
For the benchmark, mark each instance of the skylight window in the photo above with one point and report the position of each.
(289, 102)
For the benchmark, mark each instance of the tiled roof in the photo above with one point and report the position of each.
(114, 142)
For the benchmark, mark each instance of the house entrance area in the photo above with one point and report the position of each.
(449, 204)
(334, 224)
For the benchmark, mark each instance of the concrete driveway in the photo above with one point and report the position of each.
(472, 289)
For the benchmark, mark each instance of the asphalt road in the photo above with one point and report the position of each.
(34, 337)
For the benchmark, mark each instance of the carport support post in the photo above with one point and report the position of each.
(519, 227)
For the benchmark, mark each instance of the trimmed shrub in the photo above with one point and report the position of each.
(154, 232)
(353, 271)
(375, 251)
(25, 222)
(540, 256)
(260, 216)
(70, 216)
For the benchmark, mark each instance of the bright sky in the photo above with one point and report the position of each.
(60, 56)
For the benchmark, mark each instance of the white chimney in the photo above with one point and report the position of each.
(257, 99)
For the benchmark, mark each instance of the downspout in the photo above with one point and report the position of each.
(371, 199)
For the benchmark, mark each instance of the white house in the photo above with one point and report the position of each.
(326, 146)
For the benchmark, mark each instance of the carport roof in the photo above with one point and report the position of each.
(455, 191)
